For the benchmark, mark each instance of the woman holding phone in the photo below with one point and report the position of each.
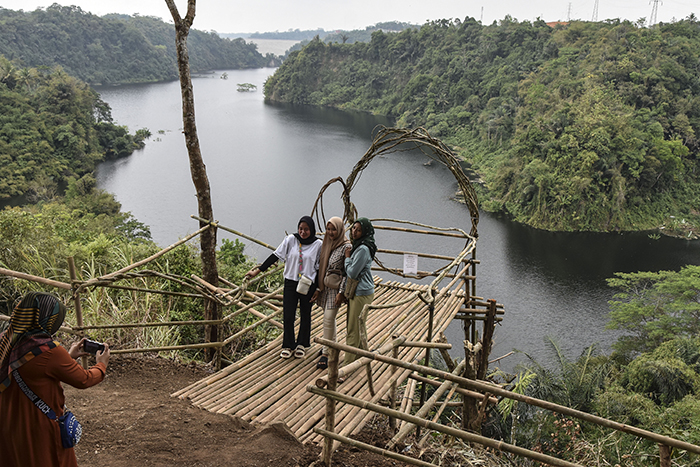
(30, 358)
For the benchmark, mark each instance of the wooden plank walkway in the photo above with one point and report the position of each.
(262, 387)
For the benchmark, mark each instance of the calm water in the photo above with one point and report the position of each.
(267, 162)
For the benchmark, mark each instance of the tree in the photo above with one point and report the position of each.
(197, 167)
(654, 307)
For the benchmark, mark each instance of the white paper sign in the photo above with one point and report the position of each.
(410, 264)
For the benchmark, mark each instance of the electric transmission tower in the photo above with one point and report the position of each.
(595, 11)
(654, 11)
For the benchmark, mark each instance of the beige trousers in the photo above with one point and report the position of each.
(357, 325)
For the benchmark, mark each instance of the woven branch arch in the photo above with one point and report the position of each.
(388, 140)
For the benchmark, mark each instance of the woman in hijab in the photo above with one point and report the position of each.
(29, 355)
(358, 265)
(300, 253)
(331, 282)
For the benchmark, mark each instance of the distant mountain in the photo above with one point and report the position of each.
(114, 48)
(293, 35)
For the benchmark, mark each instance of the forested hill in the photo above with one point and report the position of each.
(54, 129)
(114, 48)
(589, 126)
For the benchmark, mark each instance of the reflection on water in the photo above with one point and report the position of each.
(266, 163)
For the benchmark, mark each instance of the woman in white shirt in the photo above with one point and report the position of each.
(300, 253)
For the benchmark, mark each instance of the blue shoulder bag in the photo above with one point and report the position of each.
(71, 430)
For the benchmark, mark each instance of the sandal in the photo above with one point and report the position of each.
(299, 352)
(286, 353)
(322, 363)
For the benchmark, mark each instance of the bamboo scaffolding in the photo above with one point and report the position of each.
(464, 435)
(429, 404)
(202, 394)
(260, 301)
(191, 389)
(462, 391)
(439, 412)
(407, 400)
(496, 390)
(257, 390)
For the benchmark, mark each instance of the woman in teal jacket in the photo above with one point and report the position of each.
(358, 264)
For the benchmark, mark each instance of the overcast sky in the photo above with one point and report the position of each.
(227, 16)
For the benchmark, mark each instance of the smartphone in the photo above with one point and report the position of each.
(93, 347)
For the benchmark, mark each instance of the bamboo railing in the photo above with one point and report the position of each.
(485, 391)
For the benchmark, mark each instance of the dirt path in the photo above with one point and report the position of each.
(131, 420)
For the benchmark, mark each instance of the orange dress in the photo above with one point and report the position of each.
(29, 438)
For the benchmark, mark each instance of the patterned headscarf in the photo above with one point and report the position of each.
(328, 246)
(37, 317)
(367, 237)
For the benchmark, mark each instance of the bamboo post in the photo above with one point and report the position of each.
(370, 382)
(41, 280)
(445, 353)
(473, 282)
(439, 412)
(407, 400)
(469, 291)
(664, 456)
(330, 405)
(392, 397)
(487, 340)
(78, 306)
(431, 314)
(470, 410)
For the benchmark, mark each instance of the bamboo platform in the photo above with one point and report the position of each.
(263, 388)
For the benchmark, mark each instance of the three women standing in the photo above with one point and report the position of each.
(300, 253)
(358, 263)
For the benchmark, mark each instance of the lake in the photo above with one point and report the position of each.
(267, 162)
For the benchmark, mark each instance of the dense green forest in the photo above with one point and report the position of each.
(53, 128)
(587, 126)
(115, 48)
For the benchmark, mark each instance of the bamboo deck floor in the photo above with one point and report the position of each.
(263, 387)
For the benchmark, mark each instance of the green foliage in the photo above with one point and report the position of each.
(114, 48)
(570, 383)
(654, 307)
(662, 380)
(52, 131)
(573, 383)
(592, 126)
(233, 264)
